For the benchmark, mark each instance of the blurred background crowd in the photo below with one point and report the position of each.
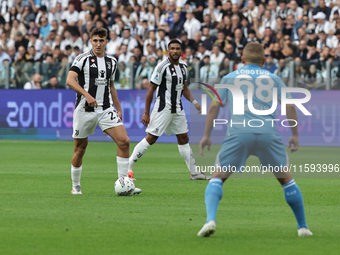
(39, 39)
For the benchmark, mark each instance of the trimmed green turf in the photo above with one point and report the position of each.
(38, 215)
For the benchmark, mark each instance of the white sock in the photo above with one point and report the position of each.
(76, 174)
(138, 152)
(188, 156)
(122, 166)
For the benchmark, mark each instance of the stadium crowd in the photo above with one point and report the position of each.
(40, 38)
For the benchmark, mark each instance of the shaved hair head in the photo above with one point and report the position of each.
(253, 53)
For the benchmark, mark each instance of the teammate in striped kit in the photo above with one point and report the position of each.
(170, 80)
(95, 72)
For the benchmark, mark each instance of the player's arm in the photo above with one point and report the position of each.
(148, 101)
(187, 94)
(72, 82)
(294, 139)
(115, 99)
(211, 116)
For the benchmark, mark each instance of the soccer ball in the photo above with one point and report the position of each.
(124, 186)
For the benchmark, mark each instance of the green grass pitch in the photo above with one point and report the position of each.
(38, 214)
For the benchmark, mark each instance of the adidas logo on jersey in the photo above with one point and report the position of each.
(174, 74)
(93, 65)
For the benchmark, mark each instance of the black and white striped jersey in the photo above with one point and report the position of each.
(95, 75)
(170, 81)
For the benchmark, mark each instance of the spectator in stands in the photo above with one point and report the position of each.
(289, 49)
(191, 25)
(217, 56)
(3, 56)
(268, 40)
(230, 53)
(209, 72)
(207, 22)
(226, 10)
(252, 36)
(27, 16)
(245, 26)
(124, 54)
(162, 41)
(29, 70)
(17, 26)
(44, 29)
(6, 42)
(268, 20)
(94, 10)
(22, 57)
(313, 56)
(221, 41)
(302, 52)
(323, 41)
(202, 52)
(292, 27)
(128, 39)
(35, 83)
(12, 15)
(178, 25)
(224, 67)
(12, 53)
(32, 54)
(322, 24)
(322, 8)
(283, 10)
(269, 64)
(302, 34)
(312, 37)
(296, 10)
(314, 78)
(70, 15)
(276, 52)
(208, 40)
(212, 11)
(307, 11)
(282, 71)
(196, 7)
(159, 18)
(45, 53)
(235, 24)
(21, 41)
(251, 11)
(113, 44)
(238, 39)
(53, 83)
(43, 13)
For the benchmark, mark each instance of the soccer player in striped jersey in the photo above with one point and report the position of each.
(96, 92)
(241, 141)
(170, 80)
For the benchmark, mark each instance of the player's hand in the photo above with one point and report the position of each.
(120, 114)
(198, 108)
(91, 101)
(146, 119)
(206, 141)
(293, 143)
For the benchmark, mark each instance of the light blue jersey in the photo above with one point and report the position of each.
(262, 81)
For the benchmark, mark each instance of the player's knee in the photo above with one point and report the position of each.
(124, 143)
(183, 139)
(80, 151)
(151, 139)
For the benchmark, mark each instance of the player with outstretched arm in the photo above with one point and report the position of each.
(96, 93)
(170, 80)
(242, 141)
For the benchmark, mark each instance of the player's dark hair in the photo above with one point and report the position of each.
(174, 41)
(101, 32)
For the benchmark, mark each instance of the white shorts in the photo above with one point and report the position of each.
(165, 121)
(85, 123)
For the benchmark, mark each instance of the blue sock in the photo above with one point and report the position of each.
(293, 197)
(213, 195)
